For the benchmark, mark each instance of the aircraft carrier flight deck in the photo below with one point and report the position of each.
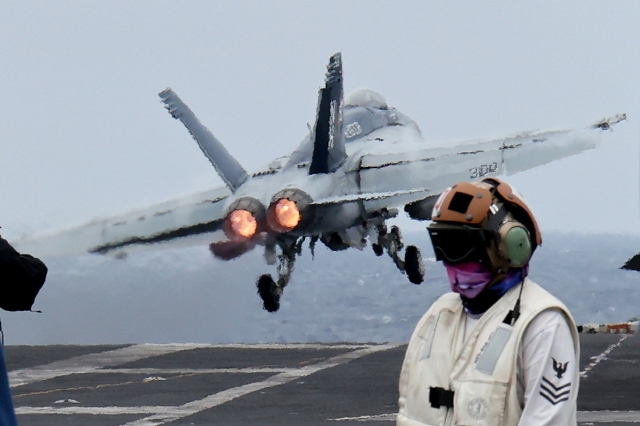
(296, 384)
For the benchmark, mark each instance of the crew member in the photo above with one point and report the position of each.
(499, 349)
(21, 278)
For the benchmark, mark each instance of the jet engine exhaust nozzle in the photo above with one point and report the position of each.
(288, 210)
(242, 221)
(286, 213)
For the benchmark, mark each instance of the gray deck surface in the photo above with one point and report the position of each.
(320, 384)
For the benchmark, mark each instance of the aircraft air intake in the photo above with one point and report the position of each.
(243, 220)
(289, 209)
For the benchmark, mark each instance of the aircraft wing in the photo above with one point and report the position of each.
(436, 169)
(185, 221)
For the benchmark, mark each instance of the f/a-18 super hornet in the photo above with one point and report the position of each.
(359, 164)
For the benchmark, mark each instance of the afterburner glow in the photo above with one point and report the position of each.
(287, 213)
(243, 223)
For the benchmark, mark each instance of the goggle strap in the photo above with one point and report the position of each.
(496, 219)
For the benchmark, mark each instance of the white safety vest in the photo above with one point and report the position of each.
(477, 376)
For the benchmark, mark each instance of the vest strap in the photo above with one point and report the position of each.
(439, 397)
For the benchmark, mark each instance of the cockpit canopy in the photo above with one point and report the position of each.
(365, 98)
(364, 111)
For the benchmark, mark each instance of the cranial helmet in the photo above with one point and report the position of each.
(486, 221)
(367, 98)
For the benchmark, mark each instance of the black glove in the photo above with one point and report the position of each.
(21, 278)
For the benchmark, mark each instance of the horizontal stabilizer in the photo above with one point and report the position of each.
(328, 139)
(227, 167)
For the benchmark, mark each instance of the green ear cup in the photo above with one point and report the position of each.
(518, 246)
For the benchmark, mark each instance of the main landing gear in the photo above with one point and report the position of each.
(289, 248)
(392, 243)
(268, 289)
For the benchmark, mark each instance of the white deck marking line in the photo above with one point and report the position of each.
(161, 371)
(290, 346)
(220, 398)
(583, 416)
(102, 411)
(163, 414)
(609, 416)
(602, 357)
(379, 418)
(92, 362)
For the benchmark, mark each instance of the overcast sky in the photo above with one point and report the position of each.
(83, 133)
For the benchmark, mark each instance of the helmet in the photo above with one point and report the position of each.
(486, 220)
(367, 98)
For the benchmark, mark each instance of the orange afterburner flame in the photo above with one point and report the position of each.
(243, 223)
(287, 213)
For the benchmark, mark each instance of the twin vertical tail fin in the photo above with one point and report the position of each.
(329, 151)
(227, 167)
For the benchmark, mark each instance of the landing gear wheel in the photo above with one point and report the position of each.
(414, 266)
(377, 249)
(268, 291)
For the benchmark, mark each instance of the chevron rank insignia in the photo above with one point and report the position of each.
(554, 393)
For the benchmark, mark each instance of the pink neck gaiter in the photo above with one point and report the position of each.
(468, 279)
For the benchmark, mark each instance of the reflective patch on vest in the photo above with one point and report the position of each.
(492, 350)
(426, 353)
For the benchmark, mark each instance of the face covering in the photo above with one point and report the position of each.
(469, 278)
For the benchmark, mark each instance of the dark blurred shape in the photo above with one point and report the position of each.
(21, 278)
(633, 264)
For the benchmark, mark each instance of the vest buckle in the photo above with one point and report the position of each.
(440, 397)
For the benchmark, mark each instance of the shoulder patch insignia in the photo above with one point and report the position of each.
(559, 368)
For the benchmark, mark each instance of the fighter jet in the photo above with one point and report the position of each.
(360, 163)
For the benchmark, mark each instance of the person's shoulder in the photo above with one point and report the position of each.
(448, 301)
(544, 326)
(534, 294)
(551, 317)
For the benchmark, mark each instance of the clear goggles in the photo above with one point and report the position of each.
(457, 244)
